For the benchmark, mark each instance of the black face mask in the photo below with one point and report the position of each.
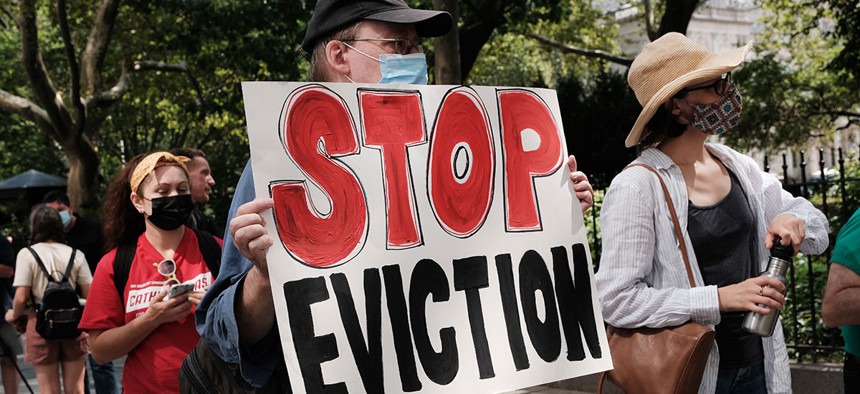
(168, 213)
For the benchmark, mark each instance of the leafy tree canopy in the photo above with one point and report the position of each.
(796, 89)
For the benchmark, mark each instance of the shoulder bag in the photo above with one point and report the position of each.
(660, 360)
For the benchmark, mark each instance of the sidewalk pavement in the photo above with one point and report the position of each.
(30, 374)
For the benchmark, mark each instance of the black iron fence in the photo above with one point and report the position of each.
(833, 186)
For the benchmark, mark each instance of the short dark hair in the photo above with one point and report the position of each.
(57, 196)
(45, 225)
(190, 153)
(662, 126)
(317, 71)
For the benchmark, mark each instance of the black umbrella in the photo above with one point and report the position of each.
(30, 183)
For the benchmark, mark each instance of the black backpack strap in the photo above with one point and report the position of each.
(45, 270)
(210, 250)
(122, 266)
(41, 264)
(69, 267)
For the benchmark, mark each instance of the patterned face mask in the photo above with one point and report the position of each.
(718, 117)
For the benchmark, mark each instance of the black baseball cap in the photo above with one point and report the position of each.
(332, 15)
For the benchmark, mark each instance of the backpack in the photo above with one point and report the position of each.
(58, 315)
(209, 248)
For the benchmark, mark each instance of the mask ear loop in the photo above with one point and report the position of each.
(360, 52)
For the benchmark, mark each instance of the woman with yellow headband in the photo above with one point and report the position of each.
(148, 203)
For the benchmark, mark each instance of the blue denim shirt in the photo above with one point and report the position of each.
(216, 319)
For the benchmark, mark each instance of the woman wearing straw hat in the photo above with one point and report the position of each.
(729, 211)
(146, 208)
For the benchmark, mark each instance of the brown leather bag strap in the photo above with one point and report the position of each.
(600, 380)
(678, 233)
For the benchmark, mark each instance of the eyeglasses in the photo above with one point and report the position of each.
(719, 87)
(401, 45)
(168, 269)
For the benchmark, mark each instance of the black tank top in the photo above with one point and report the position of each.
(724, 241)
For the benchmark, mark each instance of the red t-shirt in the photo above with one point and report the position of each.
(152, 366)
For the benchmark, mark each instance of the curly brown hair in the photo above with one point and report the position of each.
(122, 221)
(45, 225)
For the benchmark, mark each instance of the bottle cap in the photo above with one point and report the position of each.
(781, 251)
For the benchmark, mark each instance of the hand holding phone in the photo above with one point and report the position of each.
(179, 289)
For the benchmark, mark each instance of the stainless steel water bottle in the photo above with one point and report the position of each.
(780, 259)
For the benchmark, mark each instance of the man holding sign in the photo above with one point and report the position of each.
(348, 41)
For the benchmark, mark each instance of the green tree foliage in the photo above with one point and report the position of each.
(191, 58)
(795, 90)
(597, 117)
(184, 61)
(847, 27)
(595, 103)
(512, 58)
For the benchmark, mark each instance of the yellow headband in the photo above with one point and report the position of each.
(153, 161)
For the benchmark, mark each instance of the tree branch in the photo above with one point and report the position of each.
(147, 65)
(836, 114)
(649, 20)
(27, 110)
(181, 67)
(74, 71)
(8, 16)
(111, 95)
(676, 16)
(92, 61)
(594, 53)
(34, 66)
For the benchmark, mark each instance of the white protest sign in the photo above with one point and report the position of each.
(427, 238)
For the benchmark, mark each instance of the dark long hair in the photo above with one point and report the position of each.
(662, 126)
(45, 225)
(122, 221)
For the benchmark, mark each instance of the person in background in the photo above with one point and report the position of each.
(148, 203)
(10, 343)
(346, 41)
(841, 304)
(85, 235)
(730, 214)
(49, 355)
(202, 181)
(81, 233)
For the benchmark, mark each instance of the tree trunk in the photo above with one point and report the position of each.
(83, 173)
(448, 47)
(677, 16)
(50, 112)
(471, 41)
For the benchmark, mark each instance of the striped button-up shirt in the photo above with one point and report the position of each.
(642, 280)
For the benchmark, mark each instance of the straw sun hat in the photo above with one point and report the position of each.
(669, 64)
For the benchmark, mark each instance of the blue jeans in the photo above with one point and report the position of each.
(103, 378)
(747, 380)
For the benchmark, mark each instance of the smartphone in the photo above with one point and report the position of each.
(179, 289)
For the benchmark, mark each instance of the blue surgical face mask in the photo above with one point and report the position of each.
(410, 69)
(66, 217)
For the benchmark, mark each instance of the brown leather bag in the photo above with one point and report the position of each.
(660, 360)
